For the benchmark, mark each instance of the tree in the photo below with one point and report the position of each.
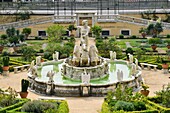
(26, 32)
(154, 29)
(71, 28)
(55, 32)
(28, 53)
(96, 30)
(10, 32)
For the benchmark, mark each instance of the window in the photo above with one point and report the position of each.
(105, 33)
(125, 32)
(42, 33)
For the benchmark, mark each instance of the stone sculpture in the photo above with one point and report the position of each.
(38, 60)
(85, 78)
(84, 31)
(130, 58)
(50, 74)
(84, 58)
(31, 66)
(76, 56)
(133, 69)
(119, 75)
(112, 55)
(93, 54)
(55, 56)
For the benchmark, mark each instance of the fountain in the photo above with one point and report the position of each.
(85, 74)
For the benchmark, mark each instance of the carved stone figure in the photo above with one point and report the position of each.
(130, 58)
(76, 56)
(85, 78)
(133, 69)
(31, 66)
(93, 55)
(55, 56)
(38, 60)
(50, 74)
(112, 55)
(84, 58)
(84, 30)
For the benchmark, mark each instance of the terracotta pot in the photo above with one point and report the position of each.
(5, 68)
(168, 46)
(153, 47)
(23, 94)
(145, 92)
(165, 66)
(1, 48)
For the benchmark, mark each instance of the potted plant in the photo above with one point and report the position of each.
(5, 63)
(144, 91)
(153, 42)
(143, 32)
(164, 64)
(24, 88)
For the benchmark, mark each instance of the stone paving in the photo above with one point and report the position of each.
(154, 79)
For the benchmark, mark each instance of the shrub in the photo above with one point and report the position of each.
(154, 41)
(38, 106)
(41, 50)
(121, 36)
(122, 105)
(48, 55)
(168, 36)
(133, 37)
(139, 106)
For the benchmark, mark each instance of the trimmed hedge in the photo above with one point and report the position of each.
(105, 109)
(158, 107)
(63, 107)
(19, 104)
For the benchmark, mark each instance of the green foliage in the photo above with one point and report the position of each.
(4, 36)
(165, 95)
(10, 32)
(63, 107)
(168, 36)
(55, 33)
(121, 36)
(24, 85)
(154, 29)
(71, 28)
(122, 105)
(133, 37)
(139, 52)
(144, 86)
(154, 41)
(96, 30)
(38, 106)
(14, 39)
(105, 108)
(129, 50)
(139, 106)
(6, 61)
(26, 32)
(28, 53)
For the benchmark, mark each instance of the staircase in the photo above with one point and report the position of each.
(26, 23)
(101, 18)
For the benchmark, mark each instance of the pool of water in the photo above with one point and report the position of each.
(110, 78)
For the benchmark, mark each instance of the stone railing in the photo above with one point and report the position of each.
(26, 23)
(128, 19)
(64, 19)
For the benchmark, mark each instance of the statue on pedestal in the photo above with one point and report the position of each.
(38, 60)
(55, 56)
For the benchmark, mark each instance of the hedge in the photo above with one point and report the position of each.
(157, 106)
(63, 107)
(19, 104)
(105, 109)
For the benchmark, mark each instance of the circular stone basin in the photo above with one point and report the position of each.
(65, 86)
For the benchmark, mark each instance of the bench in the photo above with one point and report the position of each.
(50, 98)
(149, 66)
(21, 68)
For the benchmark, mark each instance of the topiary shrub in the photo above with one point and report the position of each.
(121, 36)
(122, 105)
